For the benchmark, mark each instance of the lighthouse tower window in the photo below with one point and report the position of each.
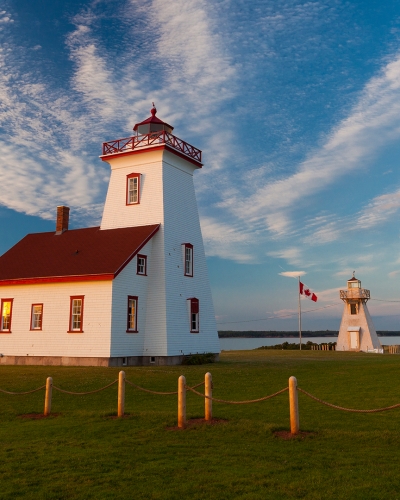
(132, 189)
(353, 308)
(194, 314)
(188, 259)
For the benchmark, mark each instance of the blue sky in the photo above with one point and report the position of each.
(296, 106)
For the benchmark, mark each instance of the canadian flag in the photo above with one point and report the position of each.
(307, 292)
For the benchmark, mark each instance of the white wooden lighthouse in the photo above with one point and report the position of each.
(133, 291)
(357, 331)
(152, 183)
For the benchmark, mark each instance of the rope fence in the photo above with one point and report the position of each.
(292, 388)
(237, 402)
(353, 410)
(84, 393)
(23, 393)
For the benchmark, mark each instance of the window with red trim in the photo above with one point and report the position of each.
(133, 189)
(132, 314)
(194, 314)
(6, 315)
(36, 316)
(141, 265)
(188, 259)
(76, 314)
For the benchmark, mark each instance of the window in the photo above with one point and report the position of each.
(142, 265)
(132, 189)
(6, 315)
(36, 316)
(132, 314)
(76, 314)
(188, 259)
(353, 308)
(194, 315)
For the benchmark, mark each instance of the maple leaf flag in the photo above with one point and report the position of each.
(307, 292)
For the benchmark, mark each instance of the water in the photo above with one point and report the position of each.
(242, 344)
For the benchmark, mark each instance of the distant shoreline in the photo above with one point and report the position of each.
(291, 335)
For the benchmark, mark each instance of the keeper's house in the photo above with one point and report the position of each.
(134, 290)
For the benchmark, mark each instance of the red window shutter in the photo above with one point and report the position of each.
(195, 306)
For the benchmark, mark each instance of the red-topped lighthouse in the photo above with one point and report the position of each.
(152, 183)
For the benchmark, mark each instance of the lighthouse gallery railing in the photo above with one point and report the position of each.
(355, 293)
(153, 139)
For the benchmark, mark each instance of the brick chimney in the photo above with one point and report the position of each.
(62, 219)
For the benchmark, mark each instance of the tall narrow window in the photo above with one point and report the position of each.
(6, 315)
(132, 314)
(353, 308)
(194, 315)
(76, 314)
(36, 316)
(188, 259)
(141, 265)
(132, 189)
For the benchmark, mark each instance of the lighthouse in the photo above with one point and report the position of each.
(357, 331)
(151, 182)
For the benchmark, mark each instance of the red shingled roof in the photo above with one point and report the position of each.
(75, 255)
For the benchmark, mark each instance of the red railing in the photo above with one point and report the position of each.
(152, 139)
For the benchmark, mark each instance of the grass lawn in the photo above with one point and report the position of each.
(82, 451)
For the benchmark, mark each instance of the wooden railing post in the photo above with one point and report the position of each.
(47, 397)
(121, 393)
(294, 406)
(208, 392)
(182, 402)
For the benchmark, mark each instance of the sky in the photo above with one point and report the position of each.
(295, 105)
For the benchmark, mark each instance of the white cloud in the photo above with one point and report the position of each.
(379, 210)
(292, 274)
(225, 241)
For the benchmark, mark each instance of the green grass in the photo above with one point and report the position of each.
(86, 453)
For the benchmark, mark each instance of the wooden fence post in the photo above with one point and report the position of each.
(47, 398)
(121, 393)
(208, 392)
(294, 406)
(181, 401)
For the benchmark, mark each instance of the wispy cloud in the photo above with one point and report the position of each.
(373, 122)
(55, 133)
(379, 210)
(292, 274)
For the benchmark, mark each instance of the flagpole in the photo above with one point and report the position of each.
(299, 314)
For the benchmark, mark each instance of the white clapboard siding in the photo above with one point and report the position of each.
(54, 339)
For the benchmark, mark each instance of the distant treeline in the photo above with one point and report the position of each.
(275, 334)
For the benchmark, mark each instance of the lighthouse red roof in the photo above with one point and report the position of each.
(75, 255)
(153, 119)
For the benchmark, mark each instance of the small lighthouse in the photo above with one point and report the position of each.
(357, 332)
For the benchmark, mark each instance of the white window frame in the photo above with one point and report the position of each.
(131, 326)
(188, 253)
(194, 314)
(141, 268)
(36, 316)
(76, 314)
(133, 189)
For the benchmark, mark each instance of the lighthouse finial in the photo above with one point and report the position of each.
(354, 273)
(153, 110)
